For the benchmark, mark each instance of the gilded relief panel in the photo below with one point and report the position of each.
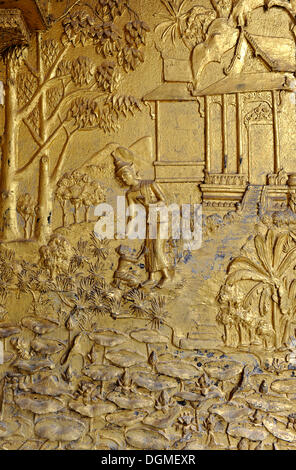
(147, 225)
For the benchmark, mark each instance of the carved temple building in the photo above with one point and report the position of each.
(235, 124)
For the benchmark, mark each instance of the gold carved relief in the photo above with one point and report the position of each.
(147, 341)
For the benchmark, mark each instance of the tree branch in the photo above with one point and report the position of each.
(33, 133)
(66, 12)
(42, 147)
(53, 67)
(72, 95)
(28, 107)
(58, 167)
(31, 69)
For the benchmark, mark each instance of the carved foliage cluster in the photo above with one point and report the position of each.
(78, 190)
(257, 301)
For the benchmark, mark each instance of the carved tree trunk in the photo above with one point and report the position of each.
(8, 213)
(44, 208)
(45, 196)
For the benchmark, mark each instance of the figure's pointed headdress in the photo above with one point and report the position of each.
(121, 164)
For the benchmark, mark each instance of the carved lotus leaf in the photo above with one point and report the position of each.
(39, 404)
(51, 385)
(33, 444)
(188, 396)
(149, 336)
(223, 369)
(102, 372)
(154, 383)
(33, 365)
(189, 343)
(7, 329)
(112, 440)
(278, 430)
(92, 410)
(131, 401)
(123, 358)
(8, 357)
(85, 443)
(247, 430)
(8, 428)
(126, 417)
(40, 326)
(145, 439)
(161, 420)
(230, 411)
(194, 445)
(60, 428)
(178, 369)
(284, 386)
(269, 404)
(108, 338)
(46, 346)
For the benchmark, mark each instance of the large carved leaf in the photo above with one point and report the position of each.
(288, 262)
(246, 275)
(292, 293)
(242, 262)
(262, 253)
(278, 249)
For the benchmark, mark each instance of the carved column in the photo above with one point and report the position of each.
(157, 130)
(276, 133)
(239, 134)
(224, 134)
(207, 136)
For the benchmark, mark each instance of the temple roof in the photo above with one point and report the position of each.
(277, 52)
(243, 82)
(34, 11)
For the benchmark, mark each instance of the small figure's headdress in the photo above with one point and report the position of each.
(120, 164)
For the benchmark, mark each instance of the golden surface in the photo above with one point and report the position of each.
(130, 344)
